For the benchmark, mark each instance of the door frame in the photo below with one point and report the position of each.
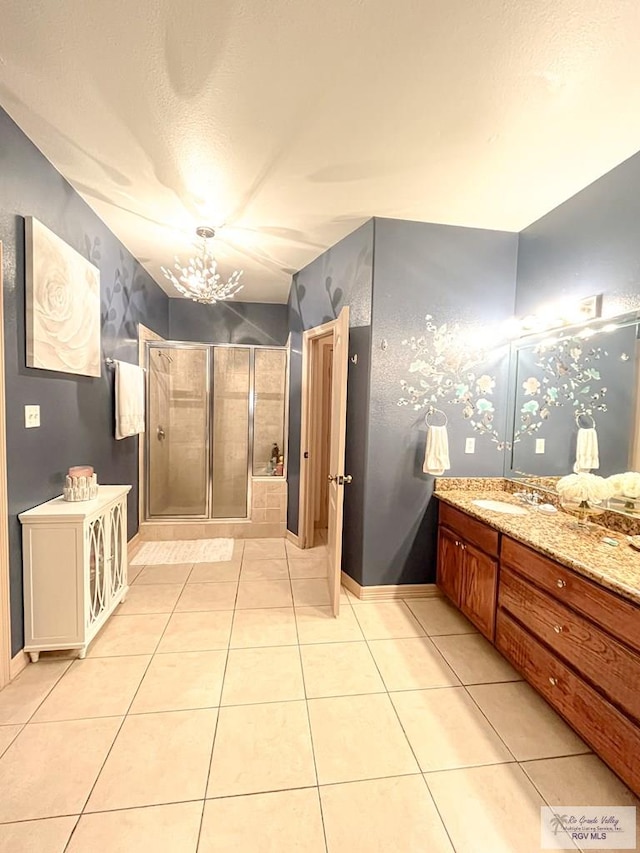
(309, 395)
(145, 335)
(5, 601)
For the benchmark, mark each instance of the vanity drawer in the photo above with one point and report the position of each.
(601, 659)
(469, 529)
(608, 610)
(608, 731)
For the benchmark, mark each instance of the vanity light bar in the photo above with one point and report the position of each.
(558, 316)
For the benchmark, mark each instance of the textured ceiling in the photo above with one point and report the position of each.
(289, 122)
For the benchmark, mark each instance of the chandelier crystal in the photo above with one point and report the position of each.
(199, 279)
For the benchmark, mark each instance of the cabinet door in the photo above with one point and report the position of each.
(479, 589)
(449, 575)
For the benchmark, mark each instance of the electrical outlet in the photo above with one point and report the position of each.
(31, 416)
(470, 445)
(539, 445)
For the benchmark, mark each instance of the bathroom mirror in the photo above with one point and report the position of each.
(580, 378)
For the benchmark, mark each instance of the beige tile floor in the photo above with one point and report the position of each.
(223, 708)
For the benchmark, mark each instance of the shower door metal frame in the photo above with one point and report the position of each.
(209, 404)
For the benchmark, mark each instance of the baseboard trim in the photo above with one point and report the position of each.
(17, 664)
(388, 592)
(133, 546)
(291, 537)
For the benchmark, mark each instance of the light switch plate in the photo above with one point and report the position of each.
(470, 445)
(31, 416)
(539, 445)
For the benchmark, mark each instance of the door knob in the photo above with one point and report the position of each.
(348, 479)
(161, 434)
(331, 478)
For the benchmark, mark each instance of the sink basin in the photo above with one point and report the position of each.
(500, 506)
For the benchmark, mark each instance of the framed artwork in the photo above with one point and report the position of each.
(63, 305)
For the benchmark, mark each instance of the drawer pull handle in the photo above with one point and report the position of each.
(553, 681)
(463, 546)
(457, 544)
(560, 583)
(558, 629)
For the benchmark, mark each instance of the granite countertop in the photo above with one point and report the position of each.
(617, 568)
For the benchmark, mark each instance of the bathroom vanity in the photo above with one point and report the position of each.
(561, 606)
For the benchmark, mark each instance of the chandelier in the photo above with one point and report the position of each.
(198, 279)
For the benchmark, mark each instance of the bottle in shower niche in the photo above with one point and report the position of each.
(273, 461)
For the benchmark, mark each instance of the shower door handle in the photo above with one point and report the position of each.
(161, 434)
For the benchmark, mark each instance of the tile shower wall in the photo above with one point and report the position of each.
(76, 411)
(267, 519)
(268, 419)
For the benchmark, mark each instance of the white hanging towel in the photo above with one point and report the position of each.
(436, 457)
(129, 399)
(587, 457)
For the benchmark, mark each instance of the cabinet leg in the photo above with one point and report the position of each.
(35, 657)
(82, 653)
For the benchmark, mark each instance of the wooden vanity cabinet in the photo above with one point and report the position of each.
(467, 569)
(575, 641)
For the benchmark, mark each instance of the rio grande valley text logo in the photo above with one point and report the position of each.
(588, 827)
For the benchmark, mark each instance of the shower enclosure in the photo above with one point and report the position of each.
(215, 422)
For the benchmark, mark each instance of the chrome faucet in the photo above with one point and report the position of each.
(532, 498)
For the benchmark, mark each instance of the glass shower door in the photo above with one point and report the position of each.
(178, 431)
(231, 395)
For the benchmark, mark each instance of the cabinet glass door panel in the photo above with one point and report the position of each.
(116, 541)
(97, 565)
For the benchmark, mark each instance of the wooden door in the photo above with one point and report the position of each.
(338, 429)
(5, 612)
(479, 589)
(449, 572)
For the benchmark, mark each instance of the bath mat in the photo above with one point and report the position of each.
(183, 551)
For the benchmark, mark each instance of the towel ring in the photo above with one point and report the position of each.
(585, 415)
(433, 412)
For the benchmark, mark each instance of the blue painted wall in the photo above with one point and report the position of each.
(393, 273)
(229, 322)
(341, 276)
(589, 244)
(460, 276)
(76, 412)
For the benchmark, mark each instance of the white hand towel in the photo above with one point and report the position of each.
(436, 457)
(587, 457)
(129, 399)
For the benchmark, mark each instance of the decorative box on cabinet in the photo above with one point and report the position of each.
(74, 569)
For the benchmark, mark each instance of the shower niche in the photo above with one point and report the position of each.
(216, 423)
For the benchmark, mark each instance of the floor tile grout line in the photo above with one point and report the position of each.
(215, 731)
(306, 706)
(120, 727)
(415, 757)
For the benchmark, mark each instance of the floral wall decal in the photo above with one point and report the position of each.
(567, 375)
(447, 370)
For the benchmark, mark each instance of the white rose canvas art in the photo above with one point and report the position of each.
(63, 305)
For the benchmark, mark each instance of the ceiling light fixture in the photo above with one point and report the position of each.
(199, 280)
